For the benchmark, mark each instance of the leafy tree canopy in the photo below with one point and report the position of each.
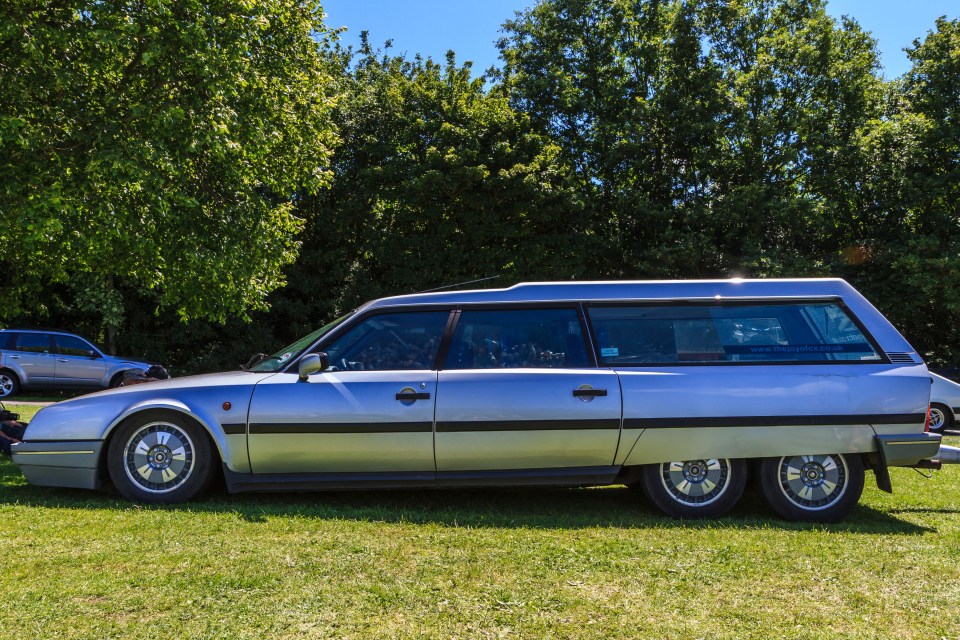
(159, 144)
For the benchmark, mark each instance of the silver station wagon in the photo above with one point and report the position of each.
(678, 388)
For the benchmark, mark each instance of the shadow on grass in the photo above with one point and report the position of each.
(537, 508)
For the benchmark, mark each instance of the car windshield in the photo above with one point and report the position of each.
(278, 360)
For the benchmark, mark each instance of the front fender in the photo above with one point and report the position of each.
(232, 448)
(120, 367)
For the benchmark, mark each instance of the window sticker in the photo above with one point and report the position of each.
(610, 352)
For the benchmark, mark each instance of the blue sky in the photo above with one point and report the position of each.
(471, 27)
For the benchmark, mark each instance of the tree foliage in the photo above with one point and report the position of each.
(158, 144)
(437, 181)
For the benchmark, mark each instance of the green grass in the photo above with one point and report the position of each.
(578, 563)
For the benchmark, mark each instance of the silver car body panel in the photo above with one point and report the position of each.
(349, 428)
(767, 410)
(500, 419)
(345, 421)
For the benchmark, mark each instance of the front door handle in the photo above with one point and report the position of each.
(62, 360)
(589, 393)
(413, 395)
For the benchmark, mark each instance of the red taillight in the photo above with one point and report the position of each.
(926, 424)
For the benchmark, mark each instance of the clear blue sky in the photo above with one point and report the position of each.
(471, 27)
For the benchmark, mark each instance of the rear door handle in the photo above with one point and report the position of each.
(413, 395)
(589, 393)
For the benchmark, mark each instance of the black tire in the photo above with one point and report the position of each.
(812, 488)
(695, 488)
(116, 380)
(941, 417)
(160, 457)
(9, 383)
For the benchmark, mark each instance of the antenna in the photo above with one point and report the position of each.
(459, 284)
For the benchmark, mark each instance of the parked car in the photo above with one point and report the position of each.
(944, 403)
(678, 387)
(33, 359)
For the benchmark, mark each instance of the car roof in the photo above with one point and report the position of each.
(632, 290)
(58, 331)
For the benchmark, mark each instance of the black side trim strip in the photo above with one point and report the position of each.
(237, 482)
(773, 421)
(526, 425)
(342, 427)
(571, 476)
(234, 429)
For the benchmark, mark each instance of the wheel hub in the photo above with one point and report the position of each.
(696, 482)
(813, 474)
(695, 471)
(159, 457)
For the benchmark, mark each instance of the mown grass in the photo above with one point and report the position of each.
(577, 563)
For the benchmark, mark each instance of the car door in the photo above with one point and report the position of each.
(370, 412)
(78, 363)
(518, 391)
(33, 352)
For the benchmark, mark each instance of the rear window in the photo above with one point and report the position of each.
(31, 343)
(715, 333)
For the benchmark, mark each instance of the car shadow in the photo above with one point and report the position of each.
(536, 508)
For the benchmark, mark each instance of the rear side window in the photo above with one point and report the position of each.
(32, 343)
(748, 333)
(518, 338)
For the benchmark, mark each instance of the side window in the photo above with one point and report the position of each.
(72, 346)
(32, 343)
(389, 342)
(702, 334)
(517, 338)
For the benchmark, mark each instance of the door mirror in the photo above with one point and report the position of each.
(311, 363)
(93, 354)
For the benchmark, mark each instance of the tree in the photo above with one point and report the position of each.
(438, 181)
(158, 145)
(909, 210)
(715, 137)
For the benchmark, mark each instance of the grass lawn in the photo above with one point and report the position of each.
(577, 563)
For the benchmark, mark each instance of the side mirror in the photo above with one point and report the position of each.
(93, 354)
(311, 363)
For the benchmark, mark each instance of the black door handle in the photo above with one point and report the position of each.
(413, 395)
(589, 393)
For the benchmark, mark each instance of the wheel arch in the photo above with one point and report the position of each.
(215, 435)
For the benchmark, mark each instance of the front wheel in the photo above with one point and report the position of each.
(160, 457)
(706, 488)
(812, 488)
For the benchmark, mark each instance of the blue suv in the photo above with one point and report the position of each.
(31, 359)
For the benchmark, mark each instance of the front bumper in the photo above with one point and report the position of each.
(60, 464)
